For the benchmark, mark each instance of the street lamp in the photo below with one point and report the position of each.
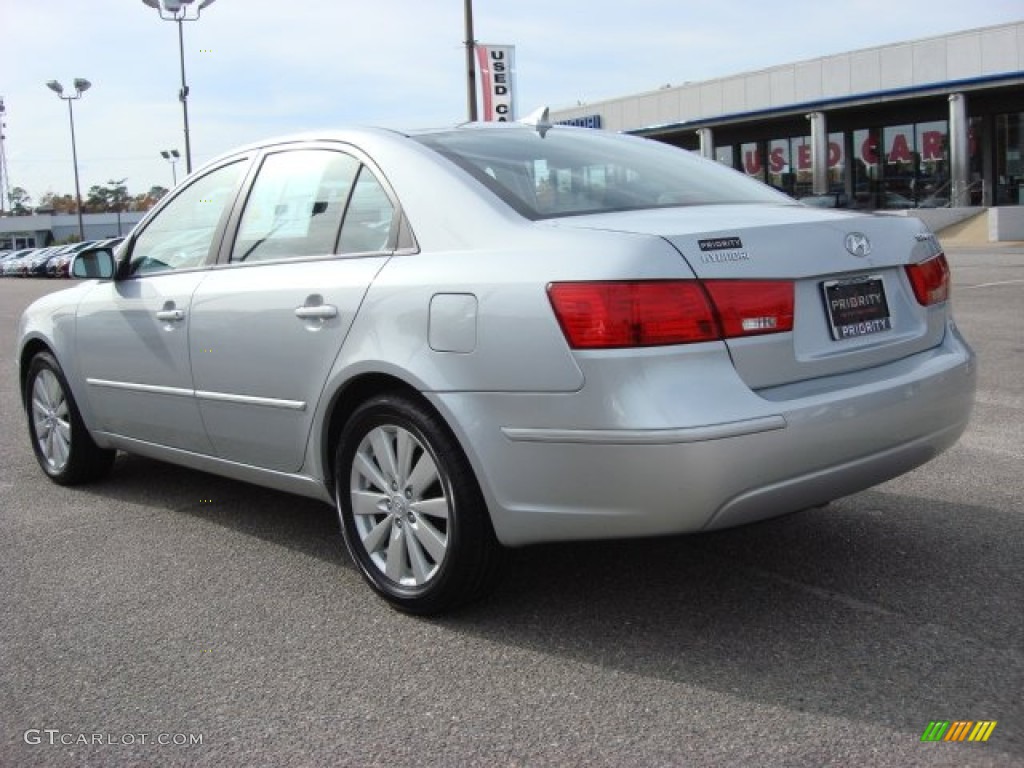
(172, 156)
(178, 10)
(81, 86)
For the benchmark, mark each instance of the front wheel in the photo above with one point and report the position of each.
(62, 445)
(411, 511)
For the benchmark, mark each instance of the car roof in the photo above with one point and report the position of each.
(354, 133)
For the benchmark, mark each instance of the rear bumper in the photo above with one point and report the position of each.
(673, 444)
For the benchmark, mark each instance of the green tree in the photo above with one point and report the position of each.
(21, 202)
(117, 195)
(58, 203)
(146, 200)
(97, 200)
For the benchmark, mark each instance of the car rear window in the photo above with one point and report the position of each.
(565, 171)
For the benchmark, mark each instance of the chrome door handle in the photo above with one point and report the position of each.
(318, 312)
(171, 315)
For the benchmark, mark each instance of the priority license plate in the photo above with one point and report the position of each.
(856, 307)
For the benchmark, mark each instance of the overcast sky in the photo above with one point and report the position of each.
(259, 68)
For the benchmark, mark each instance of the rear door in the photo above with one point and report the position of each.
(268, 323)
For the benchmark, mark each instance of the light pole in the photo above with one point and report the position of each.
(470, 62)
(178, 10)
(81, 86)
(172, 156)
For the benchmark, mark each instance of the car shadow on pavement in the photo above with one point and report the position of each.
(302, 524)
(888, 609)
(875, 608)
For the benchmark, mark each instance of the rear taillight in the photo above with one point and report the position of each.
(930, 280)
(603, 315)
(752, 307)
(632, 314)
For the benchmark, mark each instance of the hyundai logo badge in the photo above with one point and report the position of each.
(858, 244)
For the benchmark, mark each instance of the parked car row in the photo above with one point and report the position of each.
(53, 261)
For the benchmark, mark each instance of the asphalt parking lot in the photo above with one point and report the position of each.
(168, 605)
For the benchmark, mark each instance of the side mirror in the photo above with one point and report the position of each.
(94, 264)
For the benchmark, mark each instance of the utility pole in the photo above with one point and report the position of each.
(470, 63)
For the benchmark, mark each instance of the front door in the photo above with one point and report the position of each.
(133, 332)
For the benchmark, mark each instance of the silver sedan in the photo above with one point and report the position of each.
(489, 336)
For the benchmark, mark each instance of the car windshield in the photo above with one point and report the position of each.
(574, 171)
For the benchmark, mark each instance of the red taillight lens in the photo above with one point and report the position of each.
(930, 280)
(599, 315)
(752, 307)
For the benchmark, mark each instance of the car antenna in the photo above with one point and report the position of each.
(539, 119)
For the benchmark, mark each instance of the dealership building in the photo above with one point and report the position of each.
(42, 229)
(934, 126)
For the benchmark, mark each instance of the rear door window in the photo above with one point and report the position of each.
(296, 206)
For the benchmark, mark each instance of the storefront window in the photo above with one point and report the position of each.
(975, 161)
(898, 167)
(931, 185)
(1009, 186)
(865, 168)
(723, 155)
(800, 148)
(780, 174)
(836, 163)
(753, 164)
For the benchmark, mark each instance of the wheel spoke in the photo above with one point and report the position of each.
(405, 448)
(60, 447)
(437, 508)
(369, 503)
(369, 470)
(46, 444)
(375, 538)
(435, 542)
(420, 567)
(383, 452)
(395, 566)
(39, 406)
(423, 475)
(43, 429)
(53, 390)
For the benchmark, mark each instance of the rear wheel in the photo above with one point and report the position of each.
(411, 511)
(62, 445)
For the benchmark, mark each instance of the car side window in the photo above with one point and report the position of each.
(180, 236)
(296, 205)
(370, 217)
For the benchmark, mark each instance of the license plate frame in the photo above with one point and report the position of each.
(856, 307)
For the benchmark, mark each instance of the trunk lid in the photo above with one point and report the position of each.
(854, 306)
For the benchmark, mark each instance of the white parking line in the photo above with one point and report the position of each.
(989, 285)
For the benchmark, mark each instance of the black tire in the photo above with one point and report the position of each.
(61, 443)
(411, 511)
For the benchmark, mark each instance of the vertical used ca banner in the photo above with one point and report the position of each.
(497, 65)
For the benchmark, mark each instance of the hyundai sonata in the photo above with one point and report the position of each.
(489, 336)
